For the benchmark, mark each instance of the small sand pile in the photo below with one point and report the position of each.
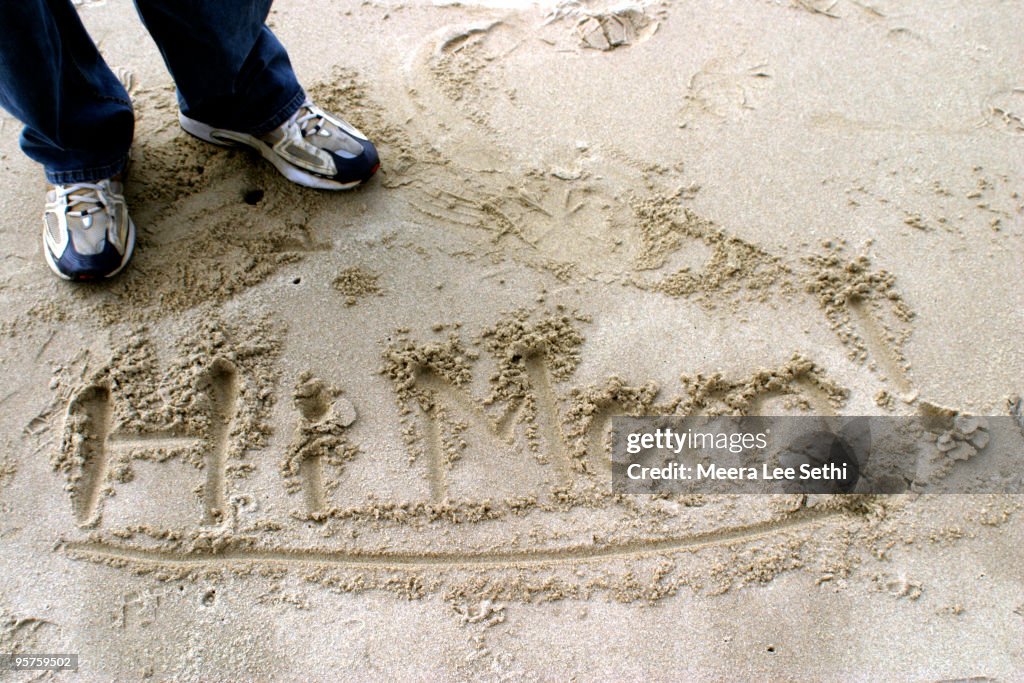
(716, 395)
(356, 283)
(587, 406)
(517, 338)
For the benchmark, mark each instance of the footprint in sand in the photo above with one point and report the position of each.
(610, 28)
(723, 90)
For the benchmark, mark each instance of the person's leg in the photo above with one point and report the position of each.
(78, 125)
(236, 87)
(78, 118)
(230, 70)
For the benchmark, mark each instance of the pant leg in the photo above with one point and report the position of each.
(78, 118)
(230, 70)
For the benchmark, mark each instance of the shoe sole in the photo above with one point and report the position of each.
(228, 138)
(129, 251)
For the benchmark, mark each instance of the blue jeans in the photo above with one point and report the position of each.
(230, 71)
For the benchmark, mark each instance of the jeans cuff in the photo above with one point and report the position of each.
(87, 175)
(282, 115)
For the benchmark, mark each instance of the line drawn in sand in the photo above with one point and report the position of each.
(804, 518)
(1004, 110)
(221, 387)
(884, 345)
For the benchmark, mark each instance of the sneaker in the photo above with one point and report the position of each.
(87, 233)
(312, 148)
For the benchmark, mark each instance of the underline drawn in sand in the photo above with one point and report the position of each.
(794, 521)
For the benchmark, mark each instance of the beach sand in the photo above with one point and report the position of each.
(354, 436)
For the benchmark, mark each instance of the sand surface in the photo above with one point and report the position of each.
(314, 436)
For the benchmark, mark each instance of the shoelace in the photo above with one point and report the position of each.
(312, 122)
(79, 194)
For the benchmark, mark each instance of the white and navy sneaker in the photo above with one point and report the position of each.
(87, 233)
(312, 148)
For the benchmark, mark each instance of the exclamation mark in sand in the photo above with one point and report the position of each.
(222, 389)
